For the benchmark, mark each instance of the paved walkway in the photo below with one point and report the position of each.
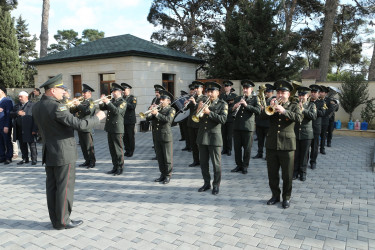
(333, 209)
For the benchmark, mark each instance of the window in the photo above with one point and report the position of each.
(105, 83)
(168, 82)
(77, 84)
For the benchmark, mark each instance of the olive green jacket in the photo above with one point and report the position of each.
(56, 125)
(304, 129)
(161, 124)
(193, 110)
(84, 110)
(209, 132)
(245, 117)
(281, 134)
(131, 104)
(115, 115)
(225, 98)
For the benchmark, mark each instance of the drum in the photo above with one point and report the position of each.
(181, 116)
(178, 104)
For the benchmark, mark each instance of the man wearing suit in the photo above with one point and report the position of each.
(162, 133)
(114, 126)
(281, 142)
(56, 125)
(129, 120)
(24, 128)
(209, 136)
(244, 110)
(6, 146)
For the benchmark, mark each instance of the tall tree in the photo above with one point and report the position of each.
(8, 5)
(27, 52)
(371, 72)
(66, 39)
(90, 35)
(329, 18)
(10, 73)
(44, 29)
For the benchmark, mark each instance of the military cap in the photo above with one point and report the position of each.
(283, 85)
(165, 94)
(212, 86)
(126, 86)
(324, 89)
(198, 84)
(54, 82)
(183, 92)
(269, 87)
(303, 90)
(116, 86)
(192, 86)
(232, 90)
(2, 87)
(247, 83)
(315, 87)
(227, 83)
(158, 87)
(87, 88)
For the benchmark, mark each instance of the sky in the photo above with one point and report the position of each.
(114, 17)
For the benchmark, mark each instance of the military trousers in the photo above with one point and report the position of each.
(193, 134)
(213, 152)
(331, 127)
(164, 155)
(186, 132)
(87, 146)
(323, 136)
(182, 132)
(227, 133)
(116, 149)
(129, 138)
(60, 192)
(314, 149)
(301, 156)
(261, 136)
(283, 159)
(242, 140)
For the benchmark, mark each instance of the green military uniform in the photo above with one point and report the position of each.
(280, 146)
(129, 122)
(210, 140)
(85, 110)
(56, 125)
(163, 139)
(304, 135)
(115, 128)
(156, 101)
(244, 126)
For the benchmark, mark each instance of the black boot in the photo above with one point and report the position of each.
(85, 164)
(236, 169)
(258, 156)
(302, 177)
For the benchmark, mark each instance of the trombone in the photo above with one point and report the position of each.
(143, 115)
(200, 113)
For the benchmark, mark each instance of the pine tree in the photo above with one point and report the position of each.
(10, 71)
(27, 52)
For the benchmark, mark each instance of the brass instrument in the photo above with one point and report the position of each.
(238, 108)
(99, 101)
(143, 115)
(71, 103)
(187, 104)
(270, 110)
(296, 85)
(199, 112)
(261, 95)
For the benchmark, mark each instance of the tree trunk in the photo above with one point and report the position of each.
(44, 29)
(288, 23)
(371, 71)
(330, 13)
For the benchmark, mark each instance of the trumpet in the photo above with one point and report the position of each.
(143, 115)
(270, 110)
(200, 113)
(99, 101)
(194, 95)
(71, 103)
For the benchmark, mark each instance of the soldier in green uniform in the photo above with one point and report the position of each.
(209, 137)
(317, 123)
(114, 126)
(162, 135)
(193, 127)
(84, 110)
(244, 111)
(227, 128)
(304, 134)
(281, 142)
(185, 123)
(154, 103)
(129, 120)
(56, 125)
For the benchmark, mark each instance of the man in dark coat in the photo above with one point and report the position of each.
(56, 125)
(24, 128)
(6, 146)
(129, 120)
(325, 119)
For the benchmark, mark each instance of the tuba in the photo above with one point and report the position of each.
(296, 85)
(261, 95)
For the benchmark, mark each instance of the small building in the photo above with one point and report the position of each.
(124, 58)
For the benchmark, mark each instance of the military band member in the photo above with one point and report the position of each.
(129, 120)
(162, 119)
(325, 119)
(114, 126)
(209, 136)
(193, 127)
(317, 123)
(304, 133)
(56, 125)
(182, 131)
(335, 105)
(227, 128)
(244, 111)
(184, 124)
(281, 142)
(85, 110)
(154, 103)
(263, 125)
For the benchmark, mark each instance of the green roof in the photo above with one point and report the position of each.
(116, 46)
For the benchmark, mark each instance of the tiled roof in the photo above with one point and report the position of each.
(116, 46)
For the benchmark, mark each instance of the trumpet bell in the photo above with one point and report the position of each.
(142, 115)
(195, 118)
(269, 110)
